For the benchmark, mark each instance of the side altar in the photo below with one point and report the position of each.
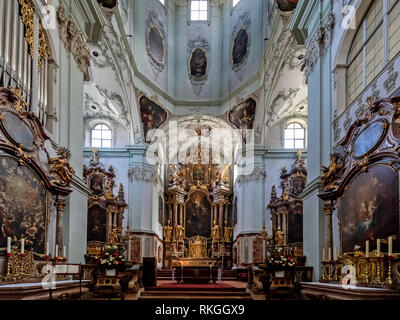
(198, 231)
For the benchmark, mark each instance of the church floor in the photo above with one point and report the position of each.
(170, 290)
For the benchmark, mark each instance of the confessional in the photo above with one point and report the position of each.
(361, 186)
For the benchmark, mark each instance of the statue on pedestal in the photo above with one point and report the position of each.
(228, 233)
(180, 233)
(216, 232)
(279, 239)
(168, 232)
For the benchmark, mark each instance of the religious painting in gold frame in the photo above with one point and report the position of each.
(23, 205)
(198, 215)
(369, 209)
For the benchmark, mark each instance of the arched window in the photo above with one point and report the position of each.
(199, 10)
(162, 1)
(235, 2)
(294, 136)
(101, 136)
(377, 41)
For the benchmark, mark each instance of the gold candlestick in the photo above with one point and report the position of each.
(378, 271)
(367, 271)
(389, 280)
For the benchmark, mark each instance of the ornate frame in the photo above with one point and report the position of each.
(345, 167)
(46, 170)
(202, 78)
(160, 63)
(237, 66)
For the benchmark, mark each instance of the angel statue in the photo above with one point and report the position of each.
(176, 178)
(60, 167)
(222, 176)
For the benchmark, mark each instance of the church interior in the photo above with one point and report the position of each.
(199, 149)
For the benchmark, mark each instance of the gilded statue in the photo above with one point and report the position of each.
(198, 248)
(180, 233)
(222, 176)
(329, 174)
(60, 168)
(216, 232)
(279, 239)
(228, 233)
(176, 178)
(168, 232)
(115, 236)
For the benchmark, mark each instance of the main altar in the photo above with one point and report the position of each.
(198, 231)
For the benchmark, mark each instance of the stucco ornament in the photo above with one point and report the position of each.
(74, 41)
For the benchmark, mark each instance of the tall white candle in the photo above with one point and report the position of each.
(23, 246)
(56, 254)
(367, 248)
(378, 247)
(337, 253)
(390, 245)
(323, 254)
(64, 252)
(9, 245)
(47, 249)
(330, 254)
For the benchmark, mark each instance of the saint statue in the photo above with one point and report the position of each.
(279, 240)
(180, 233)
(215, 232)
(198, 248)
(168, 232)
(228, 232)
(60, 167)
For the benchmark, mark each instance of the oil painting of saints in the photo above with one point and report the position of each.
(371, 213)
(23, 205)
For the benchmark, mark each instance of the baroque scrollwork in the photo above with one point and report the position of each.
(74, 41)
(319, 45)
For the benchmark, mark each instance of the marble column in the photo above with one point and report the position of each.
(328, 209)
(60, 206)
(181, 214)
(221, 216)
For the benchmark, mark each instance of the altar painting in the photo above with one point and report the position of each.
(370, 209)
(23, 205)
(97, 230)
(198, 215)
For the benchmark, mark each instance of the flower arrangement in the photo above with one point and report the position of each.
(111, 259)
(280, 262)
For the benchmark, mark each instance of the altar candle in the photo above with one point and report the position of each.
(47, 249)
(390, 246)
(64, 252)
(8, 245)
(323, 254)
(378, 247)
(23, 246)
(337, 253)
(56, 254)
(330, 254)
(367, 248)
